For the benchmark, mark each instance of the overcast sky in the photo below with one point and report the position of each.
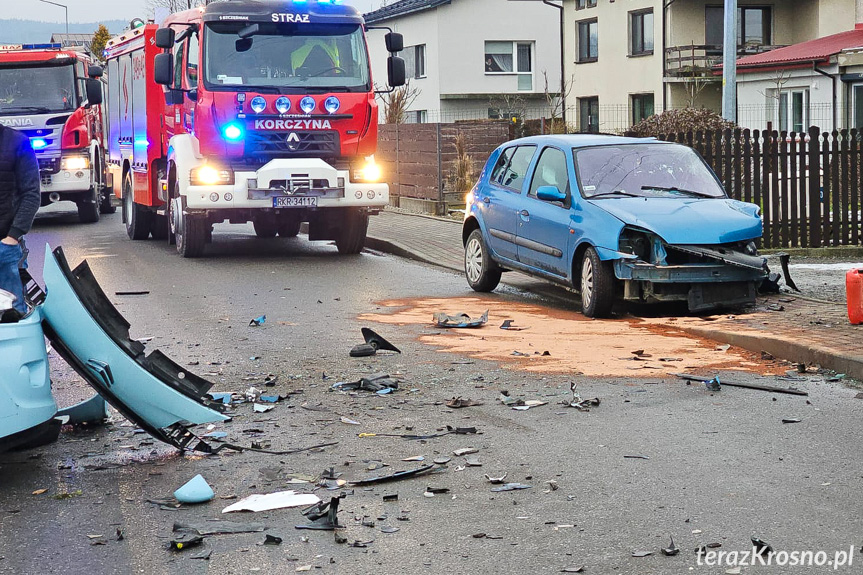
(94, 10)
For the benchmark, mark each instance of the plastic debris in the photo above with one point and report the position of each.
(323, 516)
(272, 540)
(579, 569)
(495, 480)
(472, 461)
(529, 404)
(641, 553)
(635, 457)
(258, 321)
(394, 476)
(786, 390)
(759, 545)
(577, 402)
(460, 320)
(139, 292)
(185, 539)
(459, 402)
(388, 529)
(511, 487)
(415, 458)
(465, 451)
(196, 490)
(449, 431)
(278, 500)
(507, 324)
(791, 420)
(349, 421)
(671, 550)
(442, 460)
(713, 384)
(260, 408)
(217, 527)
(373, 344)
(376, 383)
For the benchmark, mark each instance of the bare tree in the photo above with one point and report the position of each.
(694, 86)
(397, 102)
(555, 104)
(780, 78)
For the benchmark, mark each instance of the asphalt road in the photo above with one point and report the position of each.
(711, 467)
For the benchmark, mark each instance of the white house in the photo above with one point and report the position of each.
(819, 83)
(472, 59)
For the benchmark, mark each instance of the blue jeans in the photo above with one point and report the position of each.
(10, 279)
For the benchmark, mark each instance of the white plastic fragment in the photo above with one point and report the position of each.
(278, 500)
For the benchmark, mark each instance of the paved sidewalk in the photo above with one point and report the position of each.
(789, 327)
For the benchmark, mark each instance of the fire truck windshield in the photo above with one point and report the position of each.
(288, 57)
(28, 89)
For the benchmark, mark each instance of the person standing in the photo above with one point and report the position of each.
(19, 201)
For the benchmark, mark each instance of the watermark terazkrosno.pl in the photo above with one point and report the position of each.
(766, 556)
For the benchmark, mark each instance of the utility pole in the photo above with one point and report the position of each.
(64, 7)
(729, 62)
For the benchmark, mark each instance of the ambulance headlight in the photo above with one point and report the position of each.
(332, 104)
(207, 175)
(307, 104)
(283, 105)
(258, 104)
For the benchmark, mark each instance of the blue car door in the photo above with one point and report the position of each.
(544, 227)
(501, 197)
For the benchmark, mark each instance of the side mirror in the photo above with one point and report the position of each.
(550, 194)
(395, 42)
(165, 38)
(93, 87)
(163, 69)
(396, 71)
(94, 71)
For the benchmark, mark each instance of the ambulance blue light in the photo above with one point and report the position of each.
(38, 143)
(232, 132)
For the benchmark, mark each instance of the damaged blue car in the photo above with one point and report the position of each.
(87, 331)
(614, 218)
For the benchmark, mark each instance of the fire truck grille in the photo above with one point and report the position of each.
(49, 165)
(286, 144)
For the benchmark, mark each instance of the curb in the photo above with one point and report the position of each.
(400, 250)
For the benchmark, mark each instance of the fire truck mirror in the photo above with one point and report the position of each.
(165, 38)
(395, 71)
(249, 31)
(395, 42)
(163, 69)
(94, 71)
(94, 91)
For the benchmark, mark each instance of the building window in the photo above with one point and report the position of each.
(793, 112)
(581, 4)
(421, 116)
(754, 25)
(642, 107)
(858, 106)
(415, 61)
(641, 32)
(511, 58)
(588, 41)
(588, 114)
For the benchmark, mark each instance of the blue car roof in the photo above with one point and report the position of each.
(583, 140)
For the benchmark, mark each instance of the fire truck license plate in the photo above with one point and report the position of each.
(295, 202)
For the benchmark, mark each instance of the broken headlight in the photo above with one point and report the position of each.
(636, 242)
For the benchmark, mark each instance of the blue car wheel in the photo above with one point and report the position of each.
(481, 271)
(597, 285)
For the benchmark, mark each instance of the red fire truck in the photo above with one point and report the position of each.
(247, 110)
(54, 96)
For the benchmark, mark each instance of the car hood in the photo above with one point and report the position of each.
(688, 220)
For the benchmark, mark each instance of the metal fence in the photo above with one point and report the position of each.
(808, 184)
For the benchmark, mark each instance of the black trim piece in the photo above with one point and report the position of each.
(538, 247)
(505, 236)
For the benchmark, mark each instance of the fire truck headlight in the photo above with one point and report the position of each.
(74, 163)
(38, 143)
(371, 172)
(283, 105)
(258, 104)
(210, 176)
(307, 104)
(332, 104)
(232, 132)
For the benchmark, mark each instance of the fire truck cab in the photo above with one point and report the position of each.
(53, 96)
(248, 110)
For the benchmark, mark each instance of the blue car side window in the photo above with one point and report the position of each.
(501, 164)
(550, 171)
(513, 176)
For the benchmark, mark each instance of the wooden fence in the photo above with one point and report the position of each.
(807, 184)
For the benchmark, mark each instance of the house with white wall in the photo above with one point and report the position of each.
(626, 59)
(473, 59)
(819, 82)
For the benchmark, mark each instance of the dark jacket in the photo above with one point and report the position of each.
(19, 183)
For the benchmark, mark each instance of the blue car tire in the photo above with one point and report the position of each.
(481, 271)
(597, 285)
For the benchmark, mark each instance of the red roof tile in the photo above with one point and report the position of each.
(817, 49)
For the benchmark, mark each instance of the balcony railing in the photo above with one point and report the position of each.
(698, 60)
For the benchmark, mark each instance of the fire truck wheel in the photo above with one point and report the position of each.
(265, 227)
(288, 227)
(191, 235)
(106, 194)
(159, 227)
(352, 235)
(88, 211)
(137, 218)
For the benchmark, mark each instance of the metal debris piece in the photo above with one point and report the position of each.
(437, 490)
(465, 451)
(373, 344)
(394, 476)
(671, 550)
(324, 515)
(641, 553)
(139, 292)
(577, 402)
(511, 487)
(579, 569)
(461, 320)
(258, 321)
(783, 261)
(495, 480)
(507, 324)
(787, 390)
(791, 420)
(391, 497)
(459, 402)
(635, 457)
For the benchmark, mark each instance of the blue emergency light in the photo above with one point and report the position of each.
(233, 132)
(49, 46)
(38, 143)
